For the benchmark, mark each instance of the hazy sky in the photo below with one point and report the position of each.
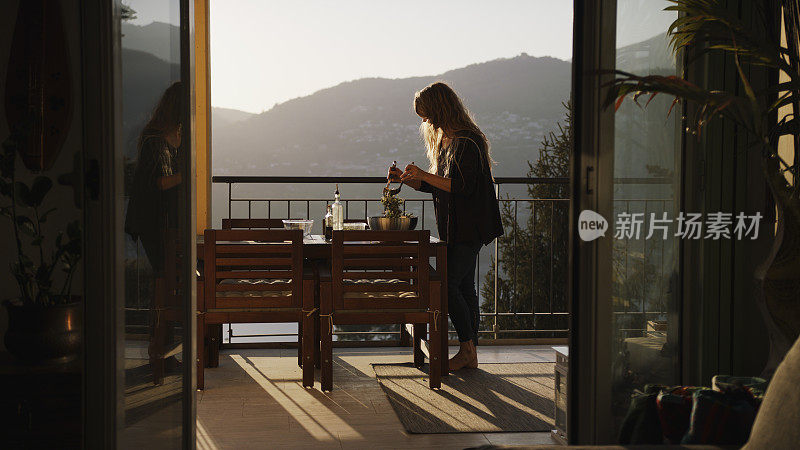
(155, 10)
(268, 51)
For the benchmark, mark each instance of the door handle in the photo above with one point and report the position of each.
(589, 179)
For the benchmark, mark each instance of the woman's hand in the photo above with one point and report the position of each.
(169, 182)
(413, 174)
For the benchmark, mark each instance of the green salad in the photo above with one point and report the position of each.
(392, 206)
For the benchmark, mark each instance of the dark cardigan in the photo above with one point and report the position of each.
(470, 213)
(151, 211)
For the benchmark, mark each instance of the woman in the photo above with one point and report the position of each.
(153, 199)
(153, 206)
(467, 211)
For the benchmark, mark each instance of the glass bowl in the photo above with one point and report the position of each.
(305, 225)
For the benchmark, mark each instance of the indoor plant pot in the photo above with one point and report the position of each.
(45, 321)
(44, 334)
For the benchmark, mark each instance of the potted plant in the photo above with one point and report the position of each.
(706, 26)
(45, 320)
(393, 217)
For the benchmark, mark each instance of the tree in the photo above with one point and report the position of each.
(127, 13)
(532, 255)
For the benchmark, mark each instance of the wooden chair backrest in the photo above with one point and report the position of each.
(253, 268)
(250, 224)
(400, 256)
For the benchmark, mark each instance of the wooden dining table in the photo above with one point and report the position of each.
(317, 248)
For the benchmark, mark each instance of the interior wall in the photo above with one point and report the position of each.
(60, 196)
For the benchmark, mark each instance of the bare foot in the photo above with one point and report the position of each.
(473, 364)
(457, 362)
(466, 357)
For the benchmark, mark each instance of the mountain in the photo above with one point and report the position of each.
(361, 126)
(651, 56)
(650, 127)
(160, 39)
(226, 116)
(356, 127)
(145, 77)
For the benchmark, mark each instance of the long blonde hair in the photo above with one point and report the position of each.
(446, 116)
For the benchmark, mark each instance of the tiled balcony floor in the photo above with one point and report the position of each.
(255, 399)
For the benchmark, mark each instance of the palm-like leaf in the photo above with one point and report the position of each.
(711, 23)
(707, 27)
(713, 103)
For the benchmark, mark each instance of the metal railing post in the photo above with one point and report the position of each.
(496, 269)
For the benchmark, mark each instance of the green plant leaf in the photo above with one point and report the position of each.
(43, 216)
(72, 249)
(712, 103)
(23, 193)
(41, 186)
(787, 127)
(785, 99)
(26, 226)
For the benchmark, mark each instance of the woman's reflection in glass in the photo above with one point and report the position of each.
(152, 215)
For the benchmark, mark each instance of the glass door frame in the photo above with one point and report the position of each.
(103, 190)
(591, 178)
(590, 269)
(102, 186)
(190, 334)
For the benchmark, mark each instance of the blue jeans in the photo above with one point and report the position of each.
(462, 300)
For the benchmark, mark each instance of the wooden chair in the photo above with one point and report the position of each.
(214, 332)
(255, 276)
(386, 283)
(252, 224)
(167, 306)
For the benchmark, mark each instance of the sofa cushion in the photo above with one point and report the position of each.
(367, 293)
(255, 293)
(601, 447)
(675, 410)
(641, 424)
(720, 418)
(726, 383)
(777, 424)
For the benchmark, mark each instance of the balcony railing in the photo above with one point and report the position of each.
(524, 299)
(498, 320)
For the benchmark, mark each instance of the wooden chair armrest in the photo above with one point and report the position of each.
(433, 274)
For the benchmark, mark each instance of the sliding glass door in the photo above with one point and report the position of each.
(626, 179)
(156, 357)
(645, 291)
